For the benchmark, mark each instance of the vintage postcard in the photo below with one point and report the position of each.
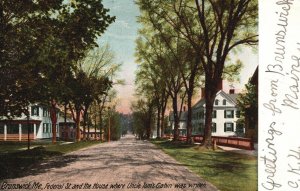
(149, 95)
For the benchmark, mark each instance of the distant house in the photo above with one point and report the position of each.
(182, 122)
(251, 114)
(225, 116)
(40, 125)
(67, 129)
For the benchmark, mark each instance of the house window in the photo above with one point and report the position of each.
(34, 111)
(216, 102)
(239, 128)
(228, 113)
(45, 112)
(224, 101)
(214, 114)
(201, 128)
(238, 114)
(228, 127)
(47, 128)
(213, 127)
(44, 127)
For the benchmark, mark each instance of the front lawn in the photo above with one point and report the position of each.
(16, 161)
(226, 170)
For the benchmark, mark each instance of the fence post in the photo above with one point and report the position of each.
(215, 144)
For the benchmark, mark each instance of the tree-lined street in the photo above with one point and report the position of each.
(122, 162)
(62, 64)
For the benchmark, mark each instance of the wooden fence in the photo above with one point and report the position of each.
(236, 142)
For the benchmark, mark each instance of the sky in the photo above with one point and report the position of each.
(121, 37)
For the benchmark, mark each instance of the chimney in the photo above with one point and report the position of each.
(220, 85)
(231, 91)
(202, 93)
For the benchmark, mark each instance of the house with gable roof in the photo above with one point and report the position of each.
(225, 115)
(39, 125)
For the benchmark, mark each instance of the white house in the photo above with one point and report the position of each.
(225, 116)
(40, 125)
(182, 122)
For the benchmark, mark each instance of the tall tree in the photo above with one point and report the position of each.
(219, 27)
(150, 82)
(162, 52)
(99, 66)
(247, 102)
(45, 39)
(142, 117)
(225, 25)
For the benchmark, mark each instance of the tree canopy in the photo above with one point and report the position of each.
(41, 42)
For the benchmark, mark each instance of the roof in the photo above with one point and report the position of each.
(183, 116)
(230, 97)
(62, 120)
(254, 78)
(21, 120)
(233, 97)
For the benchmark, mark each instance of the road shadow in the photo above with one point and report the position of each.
(32, 162)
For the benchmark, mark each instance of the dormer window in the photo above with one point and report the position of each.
(216, 102)
(224, 101)
(35, 111)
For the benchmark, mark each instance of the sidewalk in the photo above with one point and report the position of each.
(241, 151)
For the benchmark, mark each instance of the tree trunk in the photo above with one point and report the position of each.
(148, 133)
(210, 94)
(100, 124)
(162, 125)
(164, 106)
(77, 121)
(176, 119)
(158, 120)
(189, 127)
(95, 123)
(84, 123)
(53, 120)
(65, 121)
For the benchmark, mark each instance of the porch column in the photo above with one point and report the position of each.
(34, 131)
(5, 132)
(57, 130)
(20, 132)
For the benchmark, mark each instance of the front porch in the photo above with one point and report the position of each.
(18, 130)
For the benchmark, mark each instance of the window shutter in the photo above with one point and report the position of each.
(224, 127)
(224, 113)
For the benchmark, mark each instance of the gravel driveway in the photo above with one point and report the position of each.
(128, 164)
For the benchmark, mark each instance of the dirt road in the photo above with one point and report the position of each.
(128, 164)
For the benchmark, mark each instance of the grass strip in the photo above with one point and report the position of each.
(228, 171)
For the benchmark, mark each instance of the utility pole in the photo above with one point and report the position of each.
(108, 133)
(28, 129)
